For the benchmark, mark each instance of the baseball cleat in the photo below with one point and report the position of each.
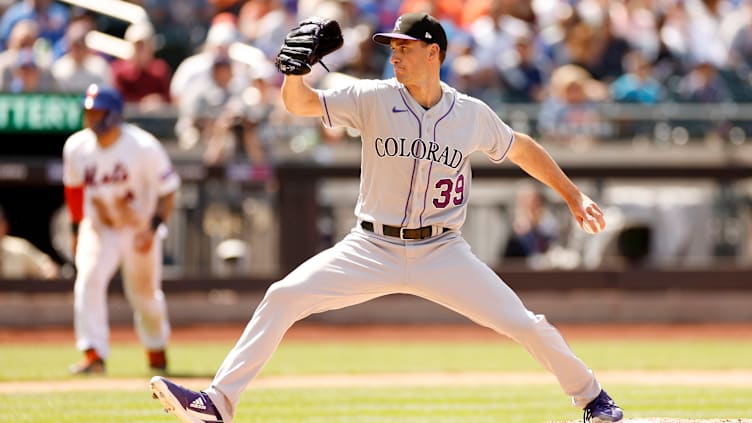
(602, 409)
(91, 364)
(187, 405)
(157, 361)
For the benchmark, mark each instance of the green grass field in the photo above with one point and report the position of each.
(524, 402)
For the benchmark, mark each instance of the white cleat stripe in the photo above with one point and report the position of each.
(202, 416)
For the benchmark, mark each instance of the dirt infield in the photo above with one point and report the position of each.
(306, 332)
(660, 420)
(734, 378)
(408, 333)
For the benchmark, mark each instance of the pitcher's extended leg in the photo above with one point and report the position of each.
(353, 271)
(457, 279)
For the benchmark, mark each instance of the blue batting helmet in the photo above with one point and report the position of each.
(99, 97)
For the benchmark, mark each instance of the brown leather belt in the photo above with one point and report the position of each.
(402, 233)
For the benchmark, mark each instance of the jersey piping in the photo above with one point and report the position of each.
(326, 111)
(504, 155)
(430, 167)
(415, 161)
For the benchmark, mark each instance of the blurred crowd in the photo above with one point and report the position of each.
(210, 65)
(212, 60)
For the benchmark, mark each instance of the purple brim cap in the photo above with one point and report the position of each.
(386, 37)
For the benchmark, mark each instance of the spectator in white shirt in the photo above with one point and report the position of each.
(80, 67)
(198, 67)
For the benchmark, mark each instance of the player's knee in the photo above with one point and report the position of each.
(280, 293)
(525, 326)
(148, 302)
(90, 288)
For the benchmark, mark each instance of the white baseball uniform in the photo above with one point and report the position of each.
(127, 178)
(415, 173)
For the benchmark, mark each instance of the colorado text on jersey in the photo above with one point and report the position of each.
(419, 149)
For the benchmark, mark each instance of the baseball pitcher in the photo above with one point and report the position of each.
(417, 134)
(119, 189)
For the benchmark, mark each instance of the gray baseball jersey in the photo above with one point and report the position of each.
(415, 169)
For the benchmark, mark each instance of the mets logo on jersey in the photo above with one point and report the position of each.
(418, 149)
(118, 174)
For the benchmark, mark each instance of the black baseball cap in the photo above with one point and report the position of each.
(415, 26)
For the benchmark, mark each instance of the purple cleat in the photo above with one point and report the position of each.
(602, 409)
(188, 406)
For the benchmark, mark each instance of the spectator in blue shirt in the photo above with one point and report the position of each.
(638, 84)
(51, 17)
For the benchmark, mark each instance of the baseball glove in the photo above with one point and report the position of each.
(307, 44)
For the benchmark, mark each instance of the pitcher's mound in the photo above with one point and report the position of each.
(666, 420)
